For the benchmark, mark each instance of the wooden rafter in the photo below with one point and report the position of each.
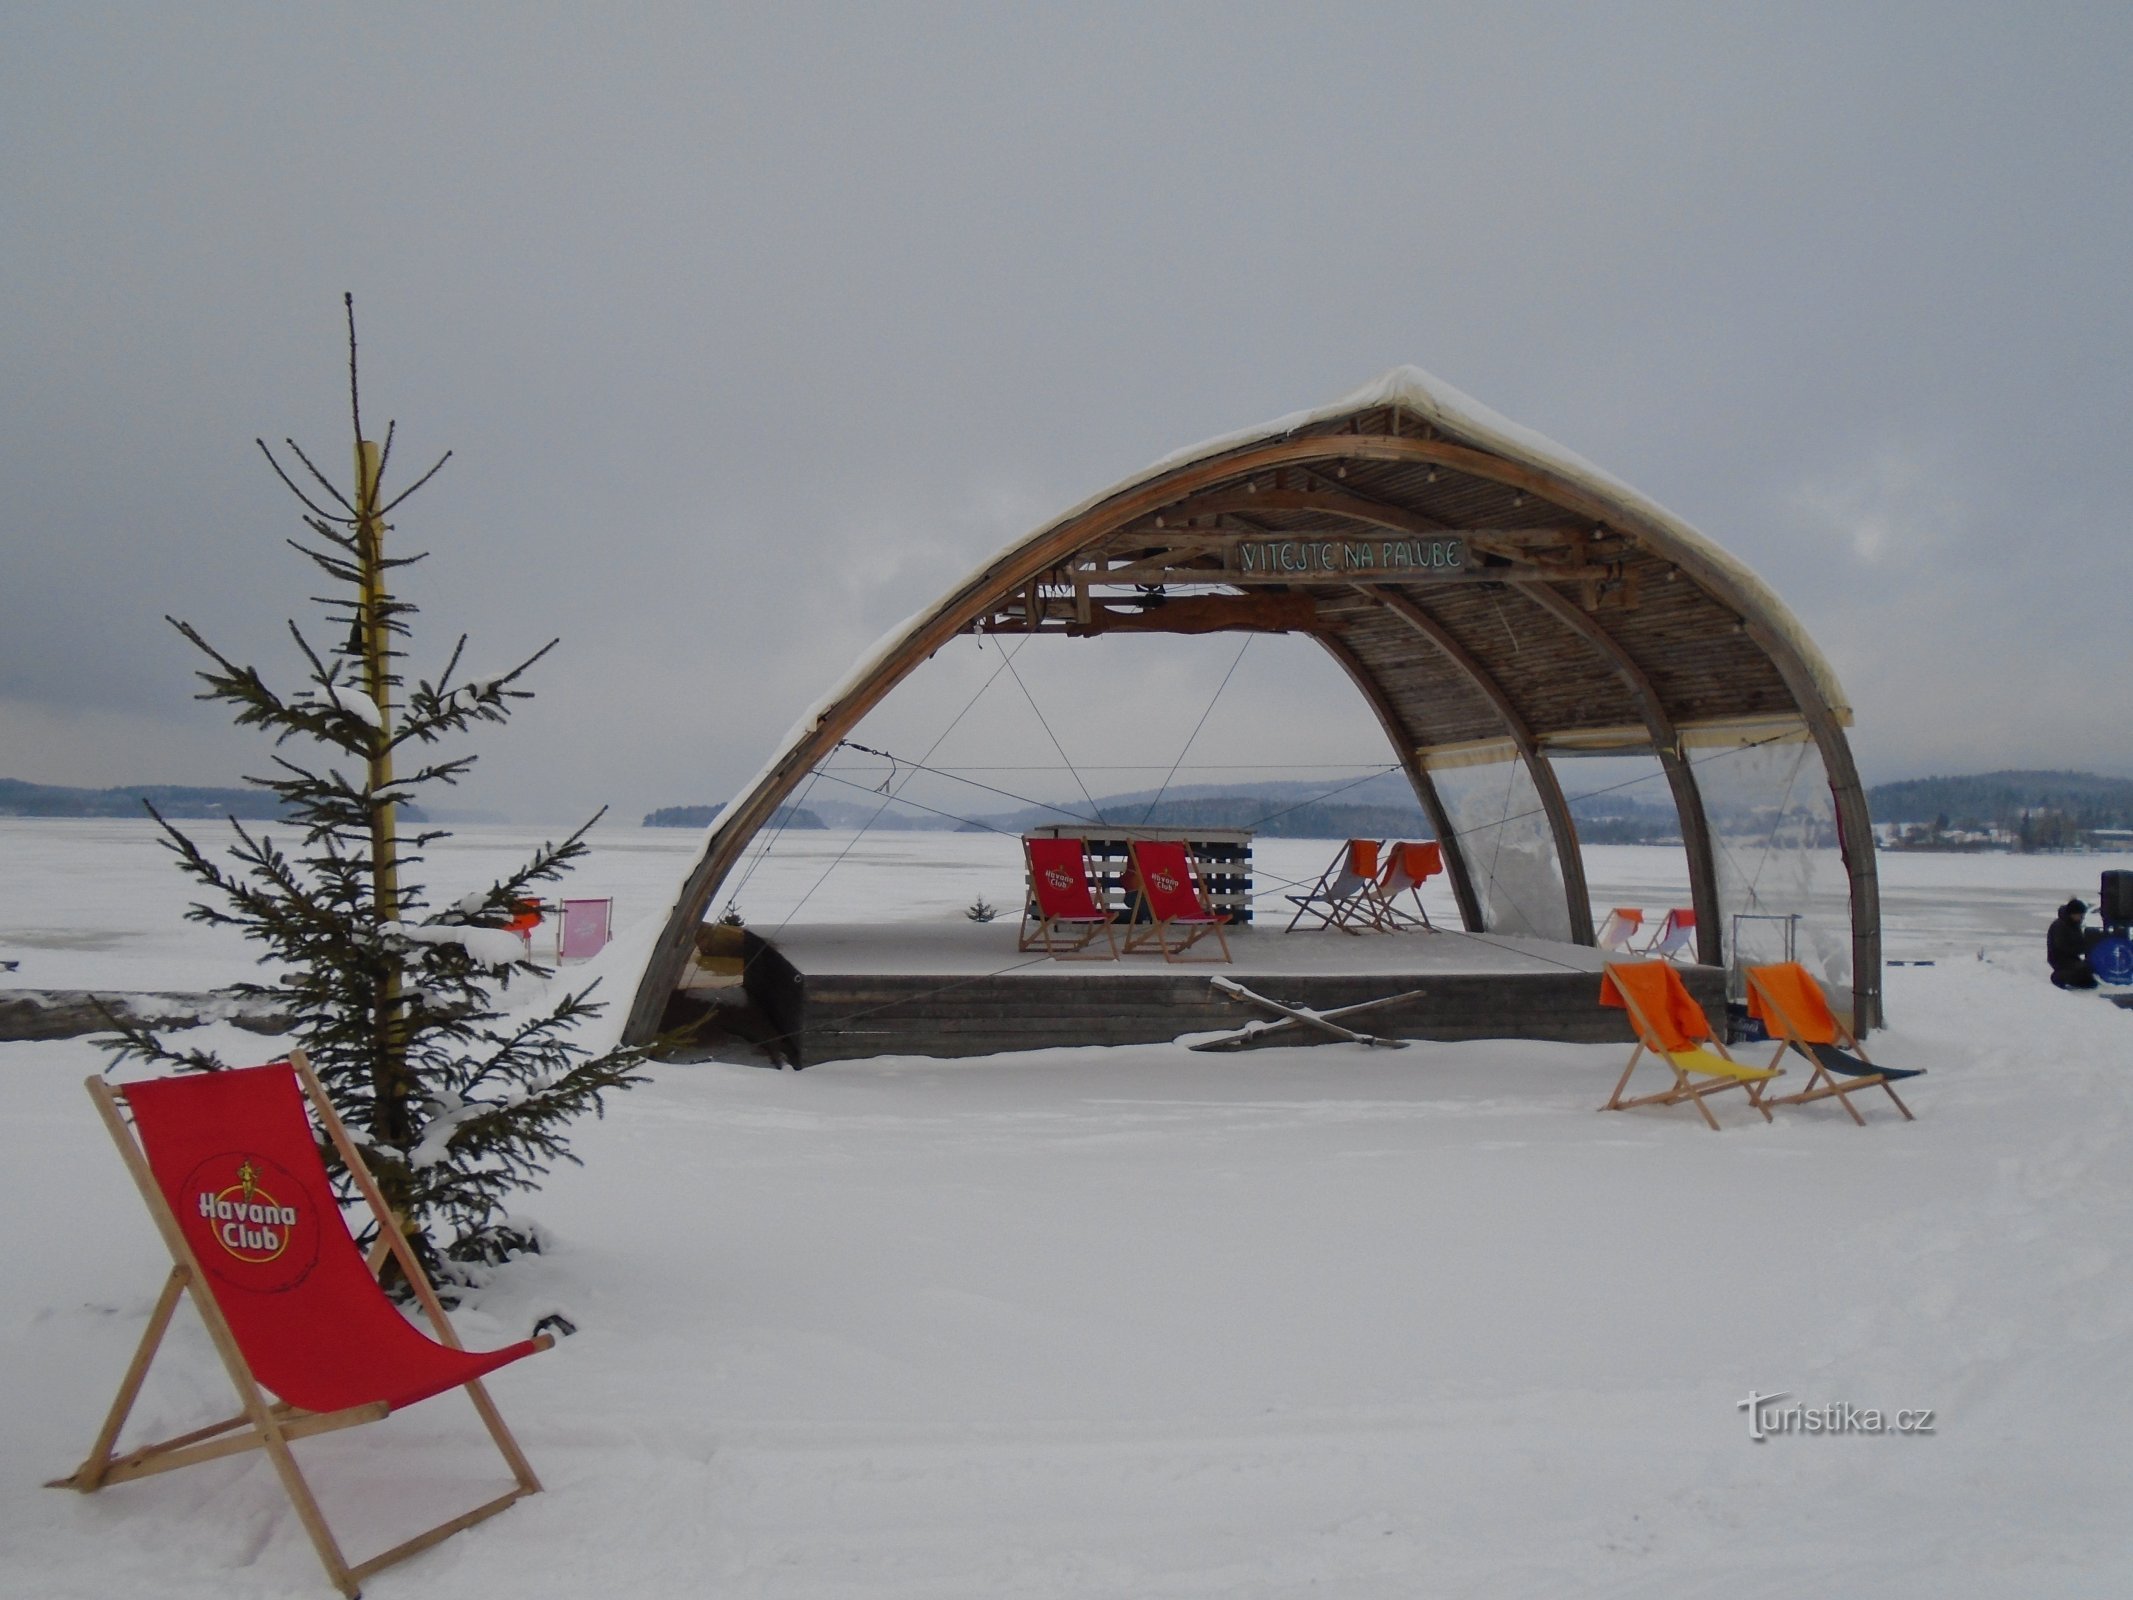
(1406, 745)
(1666, 744)
(1577, 895)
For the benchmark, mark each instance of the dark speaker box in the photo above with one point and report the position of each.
(2117, 898)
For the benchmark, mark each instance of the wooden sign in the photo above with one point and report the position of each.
(1346, 560)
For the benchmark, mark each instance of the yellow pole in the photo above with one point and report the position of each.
(384, 844)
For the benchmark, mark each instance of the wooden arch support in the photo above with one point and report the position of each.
(1021, 566)
(1571, 858)
(1408, 748)
(1666, 744)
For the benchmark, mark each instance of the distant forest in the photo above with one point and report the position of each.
(45, 800)
(1994, 810)
(2025, 810)
(704, 816)
(2022, 810)
(175, 802)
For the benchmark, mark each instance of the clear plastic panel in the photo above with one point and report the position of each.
(1774, 833)
(1502, 830)
(1630, 834)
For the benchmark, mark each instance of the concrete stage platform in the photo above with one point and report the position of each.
(957, 988)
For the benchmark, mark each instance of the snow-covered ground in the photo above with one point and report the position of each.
(1137, 1322)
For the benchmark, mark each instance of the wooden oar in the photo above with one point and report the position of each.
(1298, 1019)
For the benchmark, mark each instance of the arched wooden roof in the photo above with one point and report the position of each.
(1478, 583)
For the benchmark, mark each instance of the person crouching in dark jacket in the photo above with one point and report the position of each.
(2066, 946)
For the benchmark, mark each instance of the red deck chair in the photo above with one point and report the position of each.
(230, 1170)
(1061, 917)
(1341, 898)
(1672, 1027)
(1672, 936)
(1167, 885)
(1619, 928)
(1408, 865)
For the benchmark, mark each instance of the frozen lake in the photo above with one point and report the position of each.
(99, 904)
(1136, 1322)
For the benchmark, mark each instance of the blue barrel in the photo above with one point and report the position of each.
(2111, 959)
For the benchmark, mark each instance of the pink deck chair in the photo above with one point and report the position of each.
(1672, 936)
(229, 1167)
(587, 926)
(1408, 865)
(1061, 916)
(1167, 886)
(1341, 898)
(1622, 925)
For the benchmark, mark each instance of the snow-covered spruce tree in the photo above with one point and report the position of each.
(457, 1102)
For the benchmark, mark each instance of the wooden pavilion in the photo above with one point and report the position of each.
(1495, 600)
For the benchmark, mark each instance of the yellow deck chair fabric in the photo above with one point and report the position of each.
(1672, 1027)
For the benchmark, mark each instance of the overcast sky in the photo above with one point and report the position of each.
(753, 329)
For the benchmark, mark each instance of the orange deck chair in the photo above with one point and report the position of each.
(1619, 927)
(1061, 917)
(230, 1170)
(1672, 1026)
(1786, 999)
(1342, 896)
(1408, 865)
(526, 915)
(1672, 936)
(1167, 886)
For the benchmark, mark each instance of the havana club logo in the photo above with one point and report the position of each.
(1168, 882)
(249, 1222)
(258, 1231)
(1058, 877)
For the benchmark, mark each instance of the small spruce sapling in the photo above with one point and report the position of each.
(457, 1102)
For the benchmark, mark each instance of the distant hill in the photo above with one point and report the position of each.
(177, 803)
(704, 816)
(48, 800)
(2025, 809)
(1997, 798)
(1382, 807)
(1311, 820)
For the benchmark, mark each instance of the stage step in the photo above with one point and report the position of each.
(836, 1016)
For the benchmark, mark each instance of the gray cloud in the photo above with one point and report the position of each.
(752, 331)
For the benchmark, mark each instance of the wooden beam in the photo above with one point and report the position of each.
(1350, 507)
(1207, 613)
(1166, 570)
(1404, 744)
(1855, 825)
(1666, 744)
(1577, 895)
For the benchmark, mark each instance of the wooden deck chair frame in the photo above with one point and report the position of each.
(1692, 1084)
(1394, 881)
(1672, 936)
(264, 1424)
(1156, 930)
(1052, 935)
(1822, 1084)
(1343, 897)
